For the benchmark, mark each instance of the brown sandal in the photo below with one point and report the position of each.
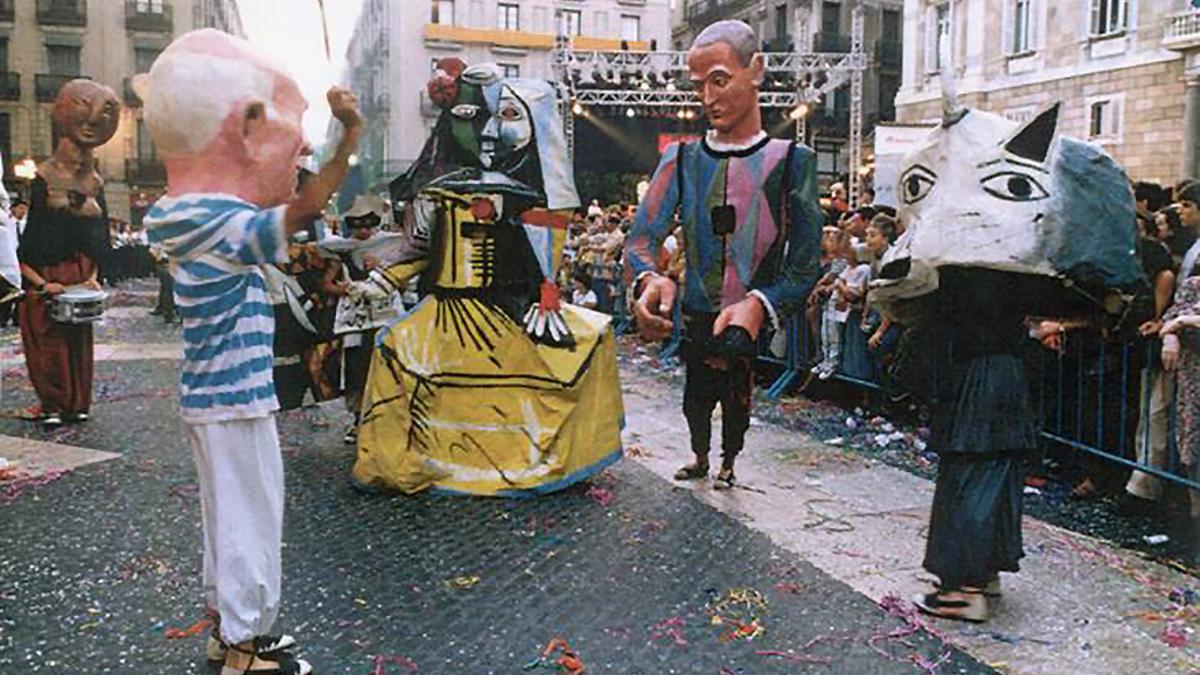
(243, 661)
(972, 608)
(694, 471)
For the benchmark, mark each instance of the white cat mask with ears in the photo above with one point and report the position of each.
(983, 191)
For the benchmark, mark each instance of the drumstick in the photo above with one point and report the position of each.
(325, 29)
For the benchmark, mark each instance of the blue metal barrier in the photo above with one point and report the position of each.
(1088, 397)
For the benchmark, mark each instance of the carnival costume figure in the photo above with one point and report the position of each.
(65, 239)
(1003, 222)
(491, 385)
(751, 222)
(228, 123)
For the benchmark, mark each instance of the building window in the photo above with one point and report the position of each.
(1021, 42)
(443, 12)
(143, 59)
(631, 28)
(63, 60)
(781, 21)
(572, 22)
(831, 17)
(508, 17)
(938, 26)
(148, 6)
(6, 145)
(891, 25)
(510, 70)
(1104, 119)
(145, 146)
(3, 53)
(1109, 16)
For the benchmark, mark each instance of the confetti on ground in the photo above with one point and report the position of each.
(379, 662)
(462, 583)
(739, 610)
(567, 662)
(191, 631)
(671, 629)
(601, 495)
(12, 489)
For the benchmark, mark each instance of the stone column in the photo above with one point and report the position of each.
(1191, 126)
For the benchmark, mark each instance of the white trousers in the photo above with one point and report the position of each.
(1153, 426)
(241, 501)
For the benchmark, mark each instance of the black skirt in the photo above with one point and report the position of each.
(989, 408)
(975, 524)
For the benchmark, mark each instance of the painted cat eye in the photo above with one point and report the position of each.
(916, 183)
(1014, 187)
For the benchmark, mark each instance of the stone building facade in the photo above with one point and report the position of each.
(1118, 67)
(395, 44)
(45, 43)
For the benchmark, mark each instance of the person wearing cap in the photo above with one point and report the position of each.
(362, 223)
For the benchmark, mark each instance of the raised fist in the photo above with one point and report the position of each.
(343, 103)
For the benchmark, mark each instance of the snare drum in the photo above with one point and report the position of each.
(78, 305)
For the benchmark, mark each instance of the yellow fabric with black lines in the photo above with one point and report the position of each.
(459, 398)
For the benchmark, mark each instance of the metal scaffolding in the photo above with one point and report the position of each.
(656, 80)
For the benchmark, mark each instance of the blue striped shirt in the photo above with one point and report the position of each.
(216, 243)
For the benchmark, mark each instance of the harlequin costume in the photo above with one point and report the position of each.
(751, 227)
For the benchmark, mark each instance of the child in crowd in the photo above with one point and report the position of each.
(850, 292)
(825, 335)
(835, 291)
(583, 295)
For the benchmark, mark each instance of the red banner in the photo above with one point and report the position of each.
(666, 139)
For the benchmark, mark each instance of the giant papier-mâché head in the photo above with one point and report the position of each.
(985, 192)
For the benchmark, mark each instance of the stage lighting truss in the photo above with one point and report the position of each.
(650, 81)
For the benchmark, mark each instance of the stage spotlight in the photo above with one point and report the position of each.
(682, 115)
(630, 112)
(799, 112)
(671, 85)
(577, 108)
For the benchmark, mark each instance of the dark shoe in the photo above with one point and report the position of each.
(249, 661)
(264, 645)
(694, 471)
(972, 607)
(52, 420)
(156, 312)
(725, 479)
(351, 435)
(77, 417)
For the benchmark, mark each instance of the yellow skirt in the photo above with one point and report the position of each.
(459, 399)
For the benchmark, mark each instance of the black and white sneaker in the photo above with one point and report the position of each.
(264, 645)
(52, 420)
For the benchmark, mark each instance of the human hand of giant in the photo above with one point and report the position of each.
(747, 313)
(343, 103)
(653, 308)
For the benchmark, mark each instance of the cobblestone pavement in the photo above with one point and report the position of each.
(97, 565)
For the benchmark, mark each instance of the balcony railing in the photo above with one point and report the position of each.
(46, 86)
(62, 12)
(140, 171)
(130, 96)
(10, 86)
(8, 10)
(158, 18)
(889, 53)
(831, 43)
(1182, 30)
